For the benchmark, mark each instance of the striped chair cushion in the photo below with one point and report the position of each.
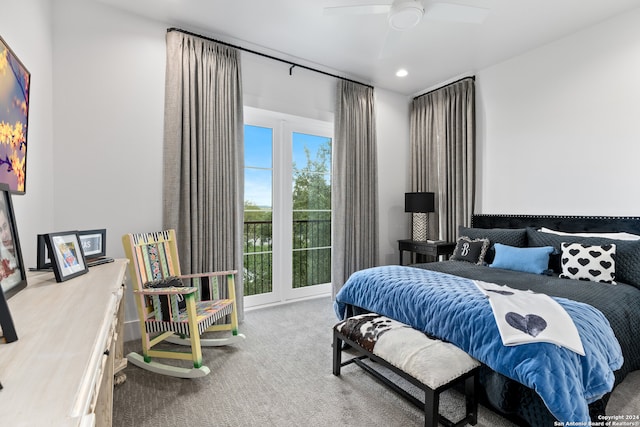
(208, 312)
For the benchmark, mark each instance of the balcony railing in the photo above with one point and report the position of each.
(311, 258)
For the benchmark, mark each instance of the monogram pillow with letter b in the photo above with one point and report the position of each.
(470, 250)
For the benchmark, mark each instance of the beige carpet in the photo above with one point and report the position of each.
(281, 376)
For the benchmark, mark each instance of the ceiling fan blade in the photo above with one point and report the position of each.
(456, 13)
(391, 43)
(367, 9)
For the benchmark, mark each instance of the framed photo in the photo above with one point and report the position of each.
(66, 255)
(43, 260)
(13, 277)
(93, 242)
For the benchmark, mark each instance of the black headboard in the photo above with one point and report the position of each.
(573, 224)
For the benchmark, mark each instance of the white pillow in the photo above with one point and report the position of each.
(617, 236)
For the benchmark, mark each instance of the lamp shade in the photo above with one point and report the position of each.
(419, 202)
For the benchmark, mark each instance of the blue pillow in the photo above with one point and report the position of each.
(528, 260)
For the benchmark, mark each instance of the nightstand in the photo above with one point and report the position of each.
(433, 250)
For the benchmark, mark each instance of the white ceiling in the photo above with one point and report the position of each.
(350, 46)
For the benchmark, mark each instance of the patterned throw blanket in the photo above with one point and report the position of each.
(453, 309)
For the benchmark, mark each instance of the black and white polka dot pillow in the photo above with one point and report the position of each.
(587, 262)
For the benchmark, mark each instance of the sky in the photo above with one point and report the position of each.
(258, 148)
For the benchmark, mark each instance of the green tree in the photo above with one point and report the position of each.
(312, 218)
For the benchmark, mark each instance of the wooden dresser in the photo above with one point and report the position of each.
(60, 371)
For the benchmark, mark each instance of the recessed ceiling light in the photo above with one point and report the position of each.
(402, 72)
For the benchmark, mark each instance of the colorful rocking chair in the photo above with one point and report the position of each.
(175, 308)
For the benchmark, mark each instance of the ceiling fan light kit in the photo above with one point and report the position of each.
(405, 14)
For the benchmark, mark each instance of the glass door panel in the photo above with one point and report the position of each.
(311, 257)
(258, 211)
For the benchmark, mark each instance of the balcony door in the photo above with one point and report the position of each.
(287, 207)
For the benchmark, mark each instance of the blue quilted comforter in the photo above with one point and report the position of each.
(453, 309)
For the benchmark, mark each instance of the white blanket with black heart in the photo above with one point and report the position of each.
(526, 317)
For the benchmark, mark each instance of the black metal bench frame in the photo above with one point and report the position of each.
(432, 396)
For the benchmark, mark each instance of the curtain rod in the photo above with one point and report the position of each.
(293, 64)
(448, 84)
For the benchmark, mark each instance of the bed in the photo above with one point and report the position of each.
(440, 299)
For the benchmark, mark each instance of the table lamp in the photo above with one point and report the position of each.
(419, 204)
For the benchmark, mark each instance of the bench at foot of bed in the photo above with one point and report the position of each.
(432, 365)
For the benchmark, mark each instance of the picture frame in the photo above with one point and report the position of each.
(43, 260)
(13, 276)
(14, 115)
(94, 242)
(66, 254)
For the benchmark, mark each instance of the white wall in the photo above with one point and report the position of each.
(558, 126)
(108, 120)
(392, 126)
(266, 84)
(25, 25)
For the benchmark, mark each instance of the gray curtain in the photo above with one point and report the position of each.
(355, 184)
(203, 155)
(443, 154)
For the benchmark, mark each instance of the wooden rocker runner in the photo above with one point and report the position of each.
(177, 308)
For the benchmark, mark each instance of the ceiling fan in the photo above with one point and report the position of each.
(402, 15)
